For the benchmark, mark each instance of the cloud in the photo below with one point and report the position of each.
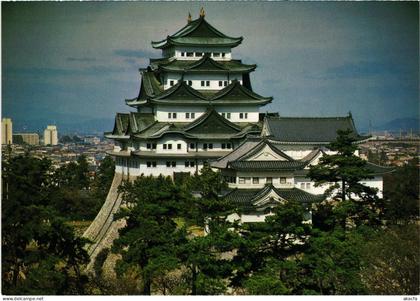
(130, 53)
(81, 59)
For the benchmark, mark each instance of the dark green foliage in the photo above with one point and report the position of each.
(99, 261)
(34, 240)
(392, 264)
(401, 194)
(149, 240)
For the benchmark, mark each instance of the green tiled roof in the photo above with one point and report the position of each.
(212, 122)
(267, 165)
(149, 87)
(378, 169)
(305, 129)
(205, 64)
(235, 93)
(198, 33)
(246, 198)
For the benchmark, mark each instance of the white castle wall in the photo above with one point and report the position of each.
(162, 113)
(197, 78)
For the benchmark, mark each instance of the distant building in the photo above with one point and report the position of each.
(6, 131)
(51, 135)
(26, 138)
(92, 140)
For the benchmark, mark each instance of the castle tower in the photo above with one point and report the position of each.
(195, 104)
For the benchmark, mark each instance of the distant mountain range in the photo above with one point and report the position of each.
(403, 124)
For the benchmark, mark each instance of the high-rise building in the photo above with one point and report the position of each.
(51, 135)
(26, 138)
(6, 131)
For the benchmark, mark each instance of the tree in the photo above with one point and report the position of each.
(391, 262)
(346, 170)
(40, 253)
(150, 238)
(331, 264)
(401, 194)
(103, 179)
(272, 246)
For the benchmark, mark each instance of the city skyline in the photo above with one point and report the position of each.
(79, 61)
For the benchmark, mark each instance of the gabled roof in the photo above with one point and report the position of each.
(149, 87)
(205, 64)
(181, 91)
(139, 121)
(120, 126)
(265, 143)
(212, 122)
(248, 198)
(195, 33)
(308, 129)
(235, 91)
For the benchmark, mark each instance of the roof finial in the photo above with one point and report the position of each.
(202, 12)
(189, 19)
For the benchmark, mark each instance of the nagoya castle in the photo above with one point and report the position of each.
(196, 106)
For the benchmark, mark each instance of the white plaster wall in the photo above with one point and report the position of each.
(197, 78)
(174, 141)
(262, 180)
(162, 113)
(376, 182)
(161, 168)
(226, 50)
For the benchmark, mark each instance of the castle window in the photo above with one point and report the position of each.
(148, 146)
(228, 145)
(153, 145)
(182, 53)
(168, 163)
(205, 145)
(223, 145)
(173, 164)
(241, 180)
(199, 54)
(282, 180)
(228, 115)
(149, 164)
(192, 115)
(171, 83)
(216, 54)
(269, 180)
(169, 146)
(189, 163)
(178, 146)
(225, 83)
(192, 145)
(169, 115)
(308, 185)
(165, 146)
(189, 83)
(207, 83)
(223, 54)
(302, 185)
(202, 83)
(187, 115)
(255, 180)
(210, 145)
(190, 54)
(220, 83)
(154, 164)
(241, 115)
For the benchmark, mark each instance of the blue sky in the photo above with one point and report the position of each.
(80, 60)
